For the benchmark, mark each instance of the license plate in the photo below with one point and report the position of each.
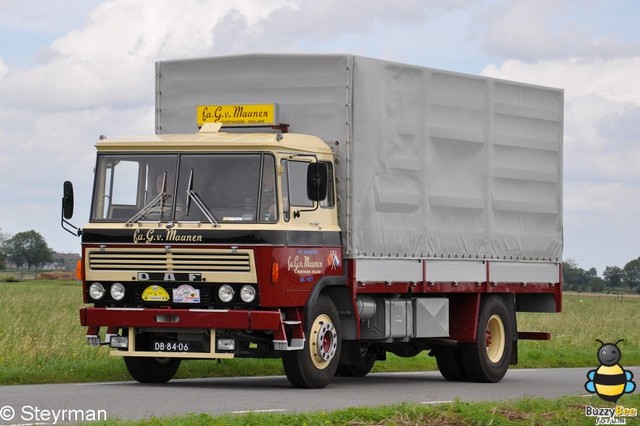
(169, 346)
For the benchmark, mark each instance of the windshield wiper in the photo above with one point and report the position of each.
(152, 206)
(192, 195)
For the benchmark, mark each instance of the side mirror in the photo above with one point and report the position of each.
(317, 181)
(67, 210)
(67, 200)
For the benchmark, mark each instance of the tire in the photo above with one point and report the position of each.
(152, 370)
(487, 360)
(368, 354)
(449, 361)
(314, 366)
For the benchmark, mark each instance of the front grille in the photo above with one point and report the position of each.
(174, 260)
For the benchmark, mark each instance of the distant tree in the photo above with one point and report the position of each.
(3, 237)
(576, 278)
(597, 285)
(27, 248)
(613, 276)
(631, 273)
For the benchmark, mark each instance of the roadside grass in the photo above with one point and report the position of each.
(41, 340)
(525, 411)
(585, 317)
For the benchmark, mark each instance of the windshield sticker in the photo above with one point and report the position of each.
(155, 293)
(186, 294)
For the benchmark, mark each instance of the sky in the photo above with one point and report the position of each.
(72, 70)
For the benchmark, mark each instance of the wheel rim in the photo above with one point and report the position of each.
(495, 338)
(323, 341)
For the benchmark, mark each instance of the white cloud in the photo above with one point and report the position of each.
(602, 223)
(97, 77)
(534, 30)
(42, 15)
(615, 199)
(110, 60)
(329, 19)
(3, 68)
(612, 79)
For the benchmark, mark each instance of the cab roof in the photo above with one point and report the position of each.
(215, 141)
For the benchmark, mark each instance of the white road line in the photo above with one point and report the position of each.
(273, 410)
(436, 402)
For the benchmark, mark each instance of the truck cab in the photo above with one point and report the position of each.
(206, 245)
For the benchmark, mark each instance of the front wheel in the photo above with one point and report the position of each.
(487, 360)
(315, 365)
(152, 370)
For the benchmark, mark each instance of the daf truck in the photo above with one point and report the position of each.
(327, 210)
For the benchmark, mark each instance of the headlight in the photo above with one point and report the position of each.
(96, 291)
(117, 291)
(248, 293)
(225, 293)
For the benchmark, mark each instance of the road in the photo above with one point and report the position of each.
(131, 400)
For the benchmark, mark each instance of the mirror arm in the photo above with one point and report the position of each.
(67, 226)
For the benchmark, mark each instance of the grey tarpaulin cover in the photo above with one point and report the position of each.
(432, 163)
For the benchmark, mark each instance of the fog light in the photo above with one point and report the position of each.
(117, 291)
(226, 344)
(119, 342)
(96, 291)
(248, 293)
(225, 293)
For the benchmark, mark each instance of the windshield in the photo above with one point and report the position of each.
(208, 188)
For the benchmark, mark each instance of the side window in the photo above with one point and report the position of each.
(295, 174)
(298, 180)
(330, 200)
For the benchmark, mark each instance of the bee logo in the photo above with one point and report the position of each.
(609, 381)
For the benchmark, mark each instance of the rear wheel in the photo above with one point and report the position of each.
(315, 365)
(449, 361)
(368, 354)
(152, 370)
(487, 360)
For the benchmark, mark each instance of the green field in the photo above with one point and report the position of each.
(41, 340)
(527, 411)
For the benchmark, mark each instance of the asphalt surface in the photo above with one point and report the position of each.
(132, 400)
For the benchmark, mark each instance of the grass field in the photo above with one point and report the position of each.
(41, 340)
(528, 411)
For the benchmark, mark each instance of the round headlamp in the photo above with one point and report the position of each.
(117, 291)
(225, 293)
(96, 291)
(248, 293)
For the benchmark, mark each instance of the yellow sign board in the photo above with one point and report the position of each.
(155, 293)
(237, 115)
